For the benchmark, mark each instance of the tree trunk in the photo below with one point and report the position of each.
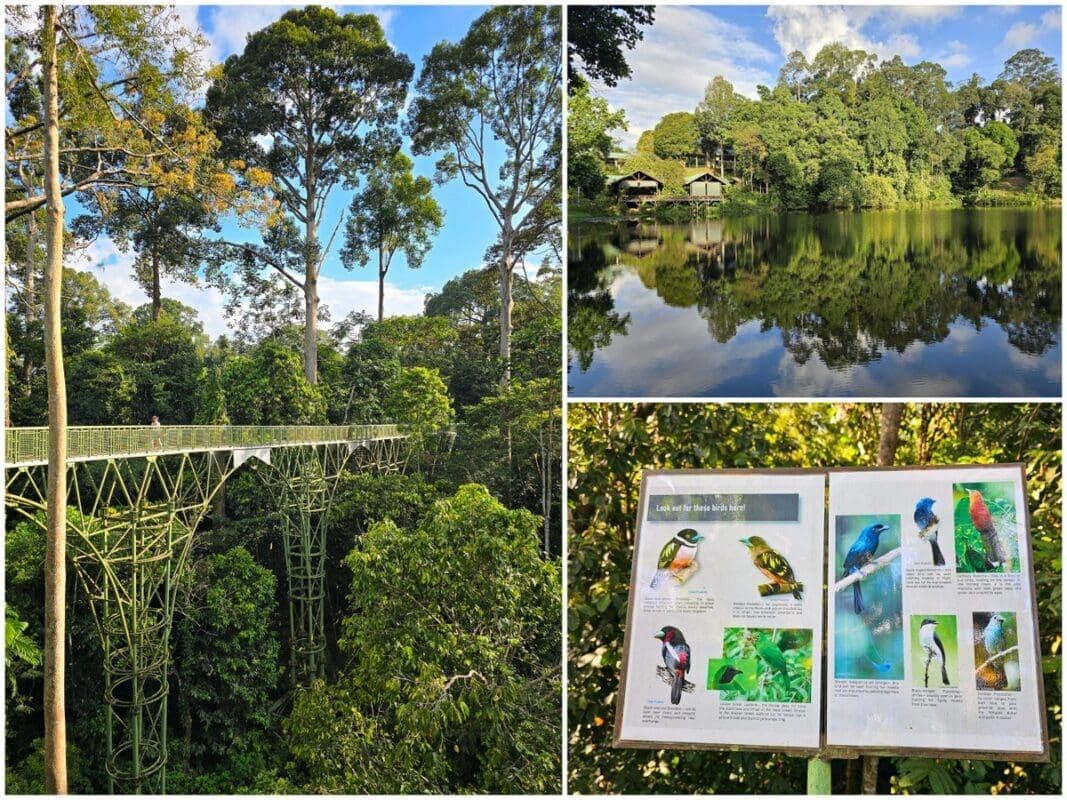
(381, 287)
(55, 565)
(30, 290)
(887, 439)
(507, 265)
(311, 276)
(157, 299)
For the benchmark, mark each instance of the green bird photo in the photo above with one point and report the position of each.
(782, 658)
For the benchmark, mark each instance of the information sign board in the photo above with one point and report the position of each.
(724, 629)
(931, 643)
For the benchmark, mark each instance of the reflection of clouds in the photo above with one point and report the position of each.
(668, 352)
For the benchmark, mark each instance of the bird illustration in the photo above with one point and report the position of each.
(677, 554)
(977, 561)
(927, 521)
(772, 655)
(935, 650)
(725, 675)
(772, 564)
(993, 635)
(861, 552)
(677, 658)
(983, 523)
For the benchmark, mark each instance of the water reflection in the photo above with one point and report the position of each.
(856, 294)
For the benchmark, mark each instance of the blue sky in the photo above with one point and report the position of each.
(687, 46)
(468, 228)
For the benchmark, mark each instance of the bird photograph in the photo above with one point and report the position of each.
(732, 674)
(996, 651)
(868, 626)
(677, 660)
(860, 553)
(774, 567)
(783, 660)
(927, 522)
(930, 657)
(677, 558)
(985, 527)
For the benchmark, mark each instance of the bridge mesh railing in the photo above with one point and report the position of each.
(29, 446)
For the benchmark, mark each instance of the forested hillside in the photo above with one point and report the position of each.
(847, 131)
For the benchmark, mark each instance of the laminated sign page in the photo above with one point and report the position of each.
(931, 624)
(724, 630)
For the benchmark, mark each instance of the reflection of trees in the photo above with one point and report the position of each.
(591, 316)
(851, 286)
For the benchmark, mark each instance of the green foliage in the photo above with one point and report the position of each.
(610, 444)
(100, 390)
(878, 192)
(503, 79)
(982, 162)
(712, 115)
(1043, 167)
(326, 90)
(164, 358)
(418, 399)
(589, 121)
(418, 341)
(452, 678)
(596, 36)
(268, 387)
(831, 126)
(1004, 136)
(676, 135)
(228, 658)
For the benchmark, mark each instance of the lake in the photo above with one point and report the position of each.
(945, 303)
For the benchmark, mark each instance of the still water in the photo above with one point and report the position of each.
(957, 303)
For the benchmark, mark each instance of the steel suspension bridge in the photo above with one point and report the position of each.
(137, 495)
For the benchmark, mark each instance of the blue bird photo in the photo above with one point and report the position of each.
(993, 636)
(927, 521)
(861, 553)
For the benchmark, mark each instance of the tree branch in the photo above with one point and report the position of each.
(867, 569)
(991, 659)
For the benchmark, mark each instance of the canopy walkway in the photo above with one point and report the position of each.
(27, 447)
(136, 498)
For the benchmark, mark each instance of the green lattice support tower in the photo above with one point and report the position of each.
(130, 527)
(302, 483)
(136, 498)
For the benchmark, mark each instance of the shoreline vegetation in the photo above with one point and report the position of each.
(841, 132)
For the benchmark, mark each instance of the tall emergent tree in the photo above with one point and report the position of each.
(312, 99)
(394, 212)
(55, 565)
(122, 69)
(493, 102)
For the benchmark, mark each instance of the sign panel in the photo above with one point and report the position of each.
(723, 644)
(931, 623)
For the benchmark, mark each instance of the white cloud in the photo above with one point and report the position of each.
(228, 27)
(1052, 20)
(675, 61)
(1019, 35)
(810, 28)
(955, 56)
